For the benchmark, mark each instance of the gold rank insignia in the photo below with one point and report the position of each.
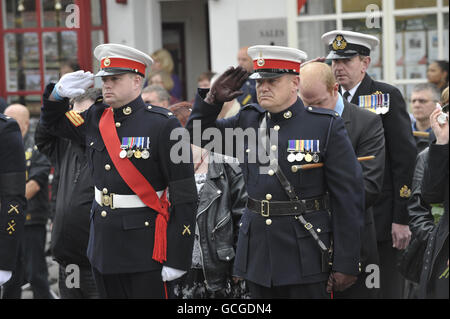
(339, 43)
(13, 209)
(186, 230)
(405, 192)
(377, 92)
(11, 227)
(75, 118)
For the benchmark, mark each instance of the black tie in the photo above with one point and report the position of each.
(346, 95)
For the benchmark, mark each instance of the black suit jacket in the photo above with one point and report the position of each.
(365, 130)
(366, 133)
(401, 153)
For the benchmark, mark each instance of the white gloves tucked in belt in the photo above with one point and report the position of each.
(169, 274)
(5, 276)
(73, 84)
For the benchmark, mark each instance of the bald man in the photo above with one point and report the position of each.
(318, 87)
(31, 262)
(249, 87)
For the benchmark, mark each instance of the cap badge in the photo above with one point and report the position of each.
(260, 62)
(107, 62)
(339, 43)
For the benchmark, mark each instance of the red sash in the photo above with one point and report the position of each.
(138, 184)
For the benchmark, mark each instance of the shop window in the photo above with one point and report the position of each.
(37, 36)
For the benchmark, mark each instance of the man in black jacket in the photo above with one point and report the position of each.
(32, 264)
(318, 87)
(350, 55)
(70, 233)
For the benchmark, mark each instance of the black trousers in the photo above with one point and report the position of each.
(143, 285)
(392, 283)
(87, 290)
(305, 291)
(31, 266)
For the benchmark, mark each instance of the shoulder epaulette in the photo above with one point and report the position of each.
(99, 100)
(319, 110)
(159, 110)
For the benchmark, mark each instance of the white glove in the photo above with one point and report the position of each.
(4, 276)
(73, 84)
(169, 274)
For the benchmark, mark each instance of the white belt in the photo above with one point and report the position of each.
(120, 201)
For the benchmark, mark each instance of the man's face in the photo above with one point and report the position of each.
(349, 72)
(422, 104)
(120, 89)
(319, 96)
(277, 94)
(153, 99)
(245, 61)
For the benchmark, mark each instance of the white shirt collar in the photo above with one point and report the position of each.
(352, 91)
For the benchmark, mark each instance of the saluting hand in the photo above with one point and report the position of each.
(227, 86)
(73, 84)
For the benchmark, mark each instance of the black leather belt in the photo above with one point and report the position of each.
(287, 208)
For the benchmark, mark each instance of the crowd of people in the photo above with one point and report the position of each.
(351, 203)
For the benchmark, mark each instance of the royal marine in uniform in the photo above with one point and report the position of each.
(136, 241)
(301, 227)
(12, 195)
(350, 52)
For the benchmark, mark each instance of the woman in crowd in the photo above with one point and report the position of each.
(437, 74)
(222, 199)
(163, 61)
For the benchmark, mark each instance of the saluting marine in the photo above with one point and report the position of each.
(136, 241)
(293, 215)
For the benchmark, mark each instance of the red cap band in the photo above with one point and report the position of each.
(261, 63)
(123, 64)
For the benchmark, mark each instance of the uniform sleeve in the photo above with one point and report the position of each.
(56, 117)
(204, 117)
(182, 196)
(401, 152)
(12, 193)
(372, 143)
(343, 175)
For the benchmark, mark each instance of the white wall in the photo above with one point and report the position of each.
(137, 24)
(224, 17)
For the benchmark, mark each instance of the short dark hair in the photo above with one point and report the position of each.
(90, 94)
(73, 64)
(443, 65)
(428, 87)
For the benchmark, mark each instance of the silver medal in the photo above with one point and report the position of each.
(291, 158)
(123, 154)
(316, 158)
(299, 157)
(145, 154)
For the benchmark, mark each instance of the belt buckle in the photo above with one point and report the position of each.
(108, 200)
(264, 213)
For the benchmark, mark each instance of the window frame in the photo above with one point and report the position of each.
(388, 14)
